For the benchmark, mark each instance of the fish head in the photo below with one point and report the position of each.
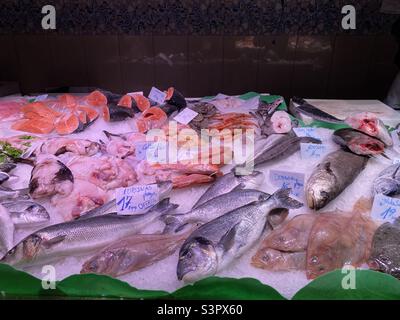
(26, 250)
(386, 186)
(37, 213)
(107, 262)
(252, 180)
(320, 189)
(197, 260)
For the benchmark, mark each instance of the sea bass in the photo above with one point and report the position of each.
(80, 236)
(388, 181)
(6, 231)
(228, 182)
(217, 243)
(358, 142)
(336, 171)
(370, 124)
(216, 207)
(27, 213)
(134, 253)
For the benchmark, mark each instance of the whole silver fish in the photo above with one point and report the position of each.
(80, 236)
(6, 231)
(215, 207)
(27, 213)
(388, 181)
(281, 148)
(134, 253)
(217, 243)
(311, 111)
(336, 171)
(164, 188)
(228, 182)
(7, 194)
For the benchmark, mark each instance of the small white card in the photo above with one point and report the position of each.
(157, 95)
(185, 116)
(156, 152)
(141, 150)
(41, 97)
(306, 132)
(311, 151)
(132, 94)
(385, 208)
(396, 161)
(286, 179)
(136, 199)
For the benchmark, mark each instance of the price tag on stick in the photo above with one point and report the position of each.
(157, 95)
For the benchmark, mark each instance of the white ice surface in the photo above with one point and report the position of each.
(162, 275)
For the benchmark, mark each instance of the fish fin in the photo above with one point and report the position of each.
(240, 186)
(173, 222)
(50, 242)
(164, 206)
(284, 201)
(363, 205)
(227, 242)
(277, 216)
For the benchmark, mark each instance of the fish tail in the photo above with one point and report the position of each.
(173, 222)
(283, 199)
(164, 206)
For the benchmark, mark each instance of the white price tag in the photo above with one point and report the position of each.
(313, 150)
(157, 95)
(306, 132)
(385, 208)
(185, 116)
(285, 179)
(136, 199)
(141, 150)
(132, 94)
(41, 97)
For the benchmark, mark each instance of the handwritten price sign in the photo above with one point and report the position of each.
(136, 199)
(285, 179)
(313, 151)
(385, 208)
(306, 132)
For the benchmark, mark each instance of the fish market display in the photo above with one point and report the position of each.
(336, 171)
(134, 253)
(229, 182)
(310, 111)
(26, 213)
(6, 231)
(385, 253)
(80, 236)
(219, 242)
(70, 162)
(370, 124)
(319, 243)
(358, 142)
(388, 181)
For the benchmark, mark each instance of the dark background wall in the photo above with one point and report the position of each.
(291, 47)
